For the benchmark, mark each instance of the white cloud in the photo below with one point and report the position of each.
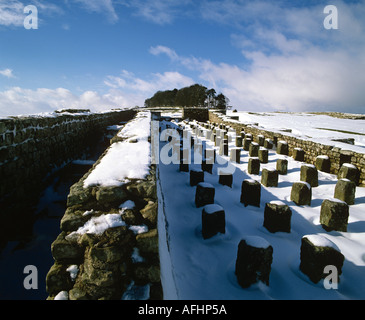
(20, 101)
(159, 11)
(7, 73)
(11, 13)
(157, 81)
(100, 6)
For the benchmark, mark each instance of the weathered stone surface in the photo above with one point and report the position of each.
(253, 264)
(298, 154)
(226, 179)
(334, 215)
(149, 213)
(148, 242)
(349, 171)
(254, 149)
(253, 166)
(79, 195)
(196, 176)
(263, 155)
(268, 144)
(144, 273)
(309, 174)
(301, 193)
(73, 219)
(345, 190)
(250, 193)
(282, 166)
(109, 196)
(269, 177)
(65, 251)
(213, 221)
(246, 143)
(204, 194)
(58, 279)
(323, 163)
(235, 155)
(282, 148)
(277, 217)
(316, 253)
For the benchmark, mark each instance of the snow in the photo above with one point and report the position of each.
(129, 204)
(97, 225)
(321, 241)
(194, 269)
(73, 270)
(317, 128)
(349, 165)
(212, 208)
(256, 242)
(63, 295)
(125, 160)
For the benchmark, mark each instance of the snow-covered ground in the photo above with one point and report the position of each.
(311, 126)
(194, 268)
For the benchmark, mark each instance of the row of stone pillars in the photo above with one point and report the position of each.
(254, 255)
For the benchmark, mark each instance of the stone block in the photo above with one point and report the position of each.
(345, 190)
(309, 173)
(207, 167)
(253, 263)
(251, 193)
(213, 221)
(282, 148)
(263, 155)
(223, 148)
(246, 143)
(253, 166)
(235, 155)
(282, 166)
(349, 171)
(239, 141)
(269, 177)
(268, 144)
(260, 140)
(323, 163)
(301, 193)
(277, 217)
(334, 215)
(254, 149)
(226, 179)
(298, 154)
(204, 194)
(196, 176)
(316, 253)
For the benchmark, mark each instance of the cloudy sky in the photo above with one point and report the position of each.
(100, 54)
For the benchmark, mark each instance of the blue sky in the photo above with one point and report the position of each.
(101, 54)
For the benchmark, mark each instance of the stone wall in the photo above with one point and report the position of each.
(121, 261)
(311, 149)
(32, 147)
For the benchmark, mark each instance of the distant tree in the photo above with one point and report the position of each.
(222, 101)
(196, 95)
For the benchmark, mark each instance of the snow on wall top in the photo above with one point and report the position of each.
(125, 160)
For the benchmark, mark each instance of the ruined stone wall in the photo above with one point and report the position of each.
(33, 146)
(119, 262)
(311, 149)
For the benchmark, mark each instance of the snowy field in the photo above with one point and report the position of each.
(194, 268)
(319, 128)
